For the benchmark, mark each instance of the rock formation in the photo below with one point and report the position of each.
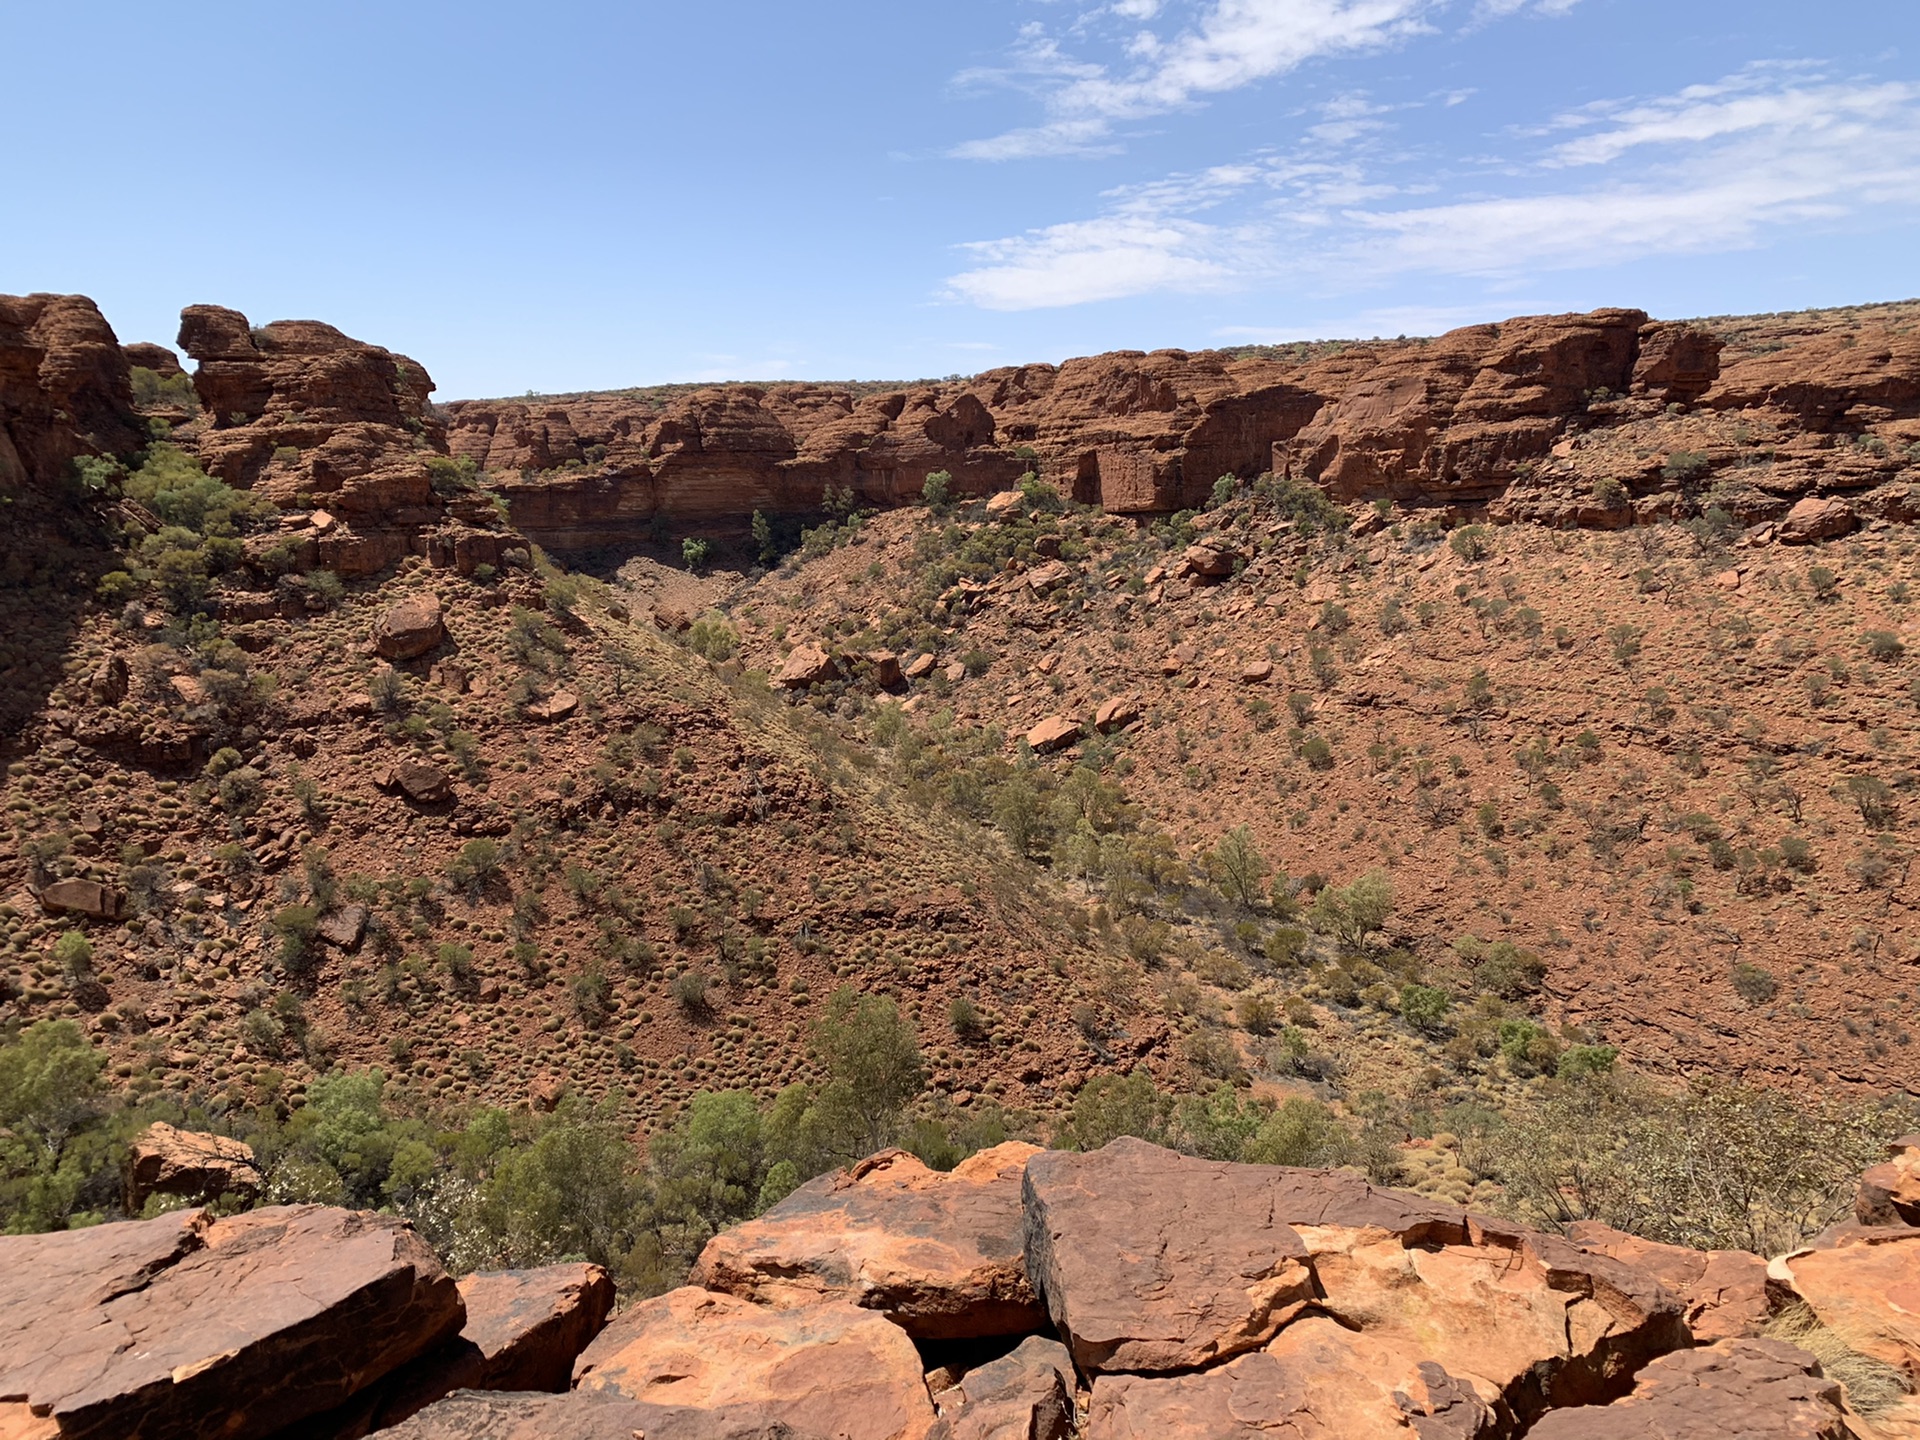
(166, 1161)
(1196, 1301)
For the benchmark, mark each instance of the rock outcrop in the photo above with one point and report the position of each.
(830, 1368)
(1755, 1389)
(166, 1161)
(186, 1326)
(938, 1254)
(64, 390)
(1889, 1193)
(1725, 1292)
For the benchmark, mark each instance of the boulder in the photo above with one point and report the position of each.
(557, 706)
(1753, 1389)
(186, 1326)
(833, 1368)
(1889, 1193)
(1725, 1292)
(1053, 733)
(1256, 672)
(1116, 713)
(1815, 518)
(410, 629)
(938, 1254)
(883, 668)
(343, 927)
(166, 1161)
(919, 667)
(475, 1415)
(807, 665)
(84, 897)
(420, 782)
(1005, 505)
(1025, 1395)
(1210, 560)
(524, 1330)
(1865, 1285)
(1052, 576)
(1153, 1262)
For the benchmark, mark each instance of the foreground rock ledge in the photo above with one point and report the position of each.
(938, 1254)
(186, 1326)
(1372, 1304)
(831, 1368)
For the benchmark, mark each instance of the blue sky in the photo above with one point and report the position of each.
(588, 194)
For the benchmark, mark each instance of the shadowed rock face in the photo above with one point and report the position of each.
(938, 1254)
(64, 389)
(150, 1328)
(166, 1161)
(471, 1415)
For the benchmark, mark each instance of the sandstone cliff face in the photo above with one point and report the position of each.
(1545, 418)
(64, 390)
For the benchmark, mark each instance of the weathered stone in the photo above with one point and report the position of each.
(938, 1254)
(1725, 1292)
(1006, 504)
(832, 1367)
(1056, 732)
(1815, 518)
(343, 927)
(883, 668)
(1745, 1388)
(1864, 1284)
(1210, 560)
(1256, 672)
(1116, 713)
(411, 628)
(84, 897)
(920, 666)
(1155, 1262)
(1025, 1395)
(557, 706)
(475, 1415)
(166, 1161)
(1889, 1193)
(1332, 1387)
(420, 782)
(807, 665)
(184, 1326)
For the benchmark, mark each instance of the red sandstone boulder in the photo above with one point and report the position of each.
(883, 668)
(807, 665)
(1210, 559)
(919, 667)
(1751, 1389)
(830, 1368)
(1864, 1284)
(1815, 518)
(166, 1161)
(184, 1326)
(1256, 672)
(1153, 1262)
(1116, 713)
(420, 782)
(938, 1254)
(1025, 1395)
(1889, 1194)
(1053, 733)
(474, 1415)
(410, 629)
(557, 706)
(1725, 1292)
(84, 897)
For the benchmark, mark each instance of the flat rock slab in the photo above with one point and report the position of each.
(833, 1368)
(1344, 1393)
(1025, 1395)
(1725, 1291)
(1751, 1389)
(938, 1254)
(186, 1326)
(473, 1415)
(1153, 1262)
(1866, 1286)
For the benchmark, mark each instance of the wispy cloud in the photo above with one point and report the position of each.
(1710, 169)
(1233, 43)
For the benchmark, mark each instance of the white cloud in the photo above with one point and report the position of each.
(1501, 9)
(1234, 43)
(1710, 169)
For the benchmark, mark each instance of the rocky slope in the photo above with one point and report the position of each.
(1126, 1292)
(1563, 420)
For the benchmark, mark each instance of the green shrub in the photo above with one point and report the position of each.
(1472, 543)
(935, 488)
(1425, 1007)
